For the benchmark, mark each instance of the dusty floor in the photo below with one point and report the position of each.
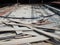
(6, 9)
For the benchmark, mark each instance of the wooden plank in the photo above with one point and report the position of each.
(25, 40)
(51, 27)
(41, 31)
(44, 32)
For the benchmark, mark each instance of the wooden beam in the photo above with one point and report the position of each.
(44, 32)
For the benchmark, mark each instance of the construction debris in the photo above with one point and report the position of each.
(25, 24)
